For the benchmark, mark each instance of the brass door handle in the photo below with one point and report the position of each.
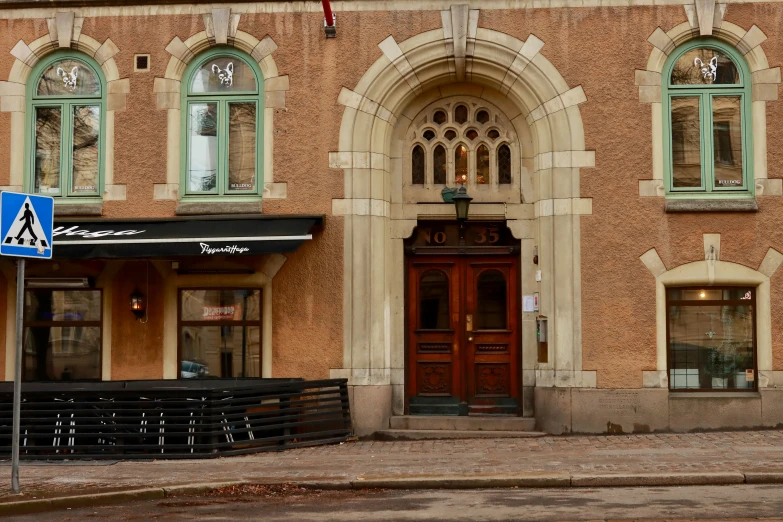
(470, 338)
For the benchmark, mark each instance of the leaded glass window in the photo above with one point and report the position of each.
(455, 143)
(418, 165)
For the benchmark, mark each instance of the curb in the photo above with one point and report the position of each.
(22, 507)
(520, 480)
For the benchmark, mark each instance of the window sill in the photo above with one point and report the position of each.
(78, 209)
(193, 208)
(739, 394)
(711, 205)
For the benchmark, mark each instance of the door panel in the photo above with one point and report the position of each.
(434, 379)
(491, 345)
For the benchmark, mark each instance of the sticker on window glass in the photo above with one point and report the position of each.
(217, 313)
(241, 186)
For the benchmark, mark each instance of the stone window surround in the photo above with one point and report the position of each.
(68, 103)
(708, 92)
(222, 100)
(494, 192)
(458, 59)
(220, 29)
(764, 87)
(65, 32)
(713, 272)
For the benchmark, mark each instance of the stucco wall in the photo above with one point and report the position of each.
(136, 347)
(598, 48)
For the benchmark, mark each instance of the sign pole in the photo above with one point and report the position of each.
(17, 375)
(26, 230)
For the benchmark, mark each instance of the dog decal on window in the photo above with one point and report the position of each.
(710, 70)
(69, 78)
(226, 76)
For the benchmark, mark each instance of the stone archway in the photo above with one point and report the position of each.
(514, 75)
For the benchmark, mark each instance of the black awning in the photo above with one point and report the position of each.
(181, 236)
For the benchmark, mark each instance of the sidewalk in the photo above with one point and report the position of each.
(665, 459)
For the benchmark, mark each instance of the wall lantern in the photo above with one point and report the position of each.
(462, 204)
(138, 304)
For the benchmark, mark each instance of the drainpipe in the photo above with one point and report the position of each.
(329, 20)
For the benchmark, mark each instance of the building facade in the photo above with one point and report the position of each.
(279, 204)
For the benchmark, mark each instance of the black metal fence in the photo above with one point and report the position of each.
(174, 419)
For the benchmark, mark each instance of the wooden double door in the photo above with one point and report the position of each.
(463, 337)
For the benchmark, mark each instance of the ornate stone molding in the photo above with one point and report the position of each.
(220, 28)
(65, 32)
(713, 271)
(764, 86)
(544, 111)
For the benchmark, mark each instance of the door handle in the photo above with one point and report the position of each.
(470, 338)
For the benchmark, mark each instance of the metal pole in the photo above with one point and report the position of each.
(17, 375)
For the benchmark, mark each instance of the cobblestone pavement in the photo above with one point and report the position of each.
(658, 453)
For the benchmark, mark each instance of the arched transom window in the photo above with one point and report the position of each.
(66, 127)
(707, 120)
(461, 140)
(223, 119)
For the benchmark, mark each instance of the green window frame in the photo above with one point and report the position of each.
(73, 109)
(704, 96)
(221, 103)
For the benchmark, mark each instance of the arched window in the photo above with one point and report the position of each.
(66, 121)
(707, 119)
(439, 164)
(223, 120)
(482, 165)
(417, 166)
(504, 165)
(467, 141)
(461, 163)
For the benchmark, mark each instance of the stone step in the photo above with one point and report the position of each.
(449, 423)
(390, 435)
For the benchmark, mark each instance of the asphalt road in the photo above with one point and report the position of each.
(272, 504)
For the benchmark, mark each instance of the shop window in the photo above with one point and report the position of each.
(220, 333)
(711, 338)
(62, 335)
(223, 117)
(707, 121)
(66, 121)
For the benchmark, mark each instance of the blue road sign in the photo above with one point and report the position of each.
(26, 223)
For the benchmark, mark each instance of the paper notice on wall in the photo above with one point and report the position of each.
(528, 303)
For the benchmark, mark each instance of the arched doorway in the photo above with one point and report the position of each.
(459, 59)
(463, 349)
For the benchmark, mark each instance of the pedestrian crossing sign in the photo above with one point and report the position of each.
(26, 223)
